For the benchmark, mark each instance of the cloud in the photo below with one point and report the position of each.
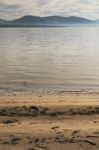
(15, 8)
(7, 8)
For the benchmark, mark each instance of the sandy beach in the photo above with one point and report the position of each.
(49, 121)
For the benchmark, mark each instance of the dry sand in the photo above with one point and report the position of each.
(49, 121)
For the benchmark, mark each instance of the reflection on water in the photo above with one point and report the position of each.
(49, 57)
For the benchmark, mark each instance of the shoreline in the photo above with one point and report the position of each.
(27, 87)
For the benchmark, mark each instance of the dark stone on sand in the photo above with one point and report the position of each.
(42, 112)
(34, 108)
(15, 140)
(91, 136)
(34, 111)
(43, 147)
(90, 142)
(56, 127)
(75, 132)
(10, 121)
(60, 140)
(3, 112)
(72, 112)
(96, 132)
(72, 140)
(36, 140)
(12, 140)
(53, 114)
(97, 110)
(31, 148)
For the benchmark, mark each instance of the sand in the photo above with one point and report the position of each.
(63, 120)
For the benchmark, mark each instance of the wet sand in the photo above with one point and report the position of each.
(63, 120)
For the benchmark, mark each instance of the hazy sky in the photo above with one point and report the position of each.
(15, 8)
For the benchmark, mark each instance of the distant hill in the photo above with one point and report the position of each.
(2, 21)
(97, 21)
(29, 21)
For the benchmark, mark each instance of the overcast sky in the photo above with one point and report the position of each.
(10, 9)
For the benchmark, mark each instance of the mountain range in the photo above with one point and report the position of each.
(36, 21)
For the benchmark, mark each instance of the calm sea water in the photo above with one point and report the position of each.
(42, 58)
